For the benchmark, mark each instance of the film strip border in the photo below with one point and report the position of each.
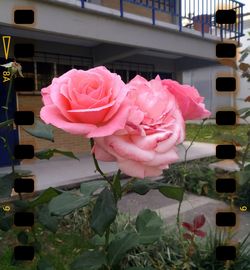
(226, 84)
(22, 16)
(226, 53)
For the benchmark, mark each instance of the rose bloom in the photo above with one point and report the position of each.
(188, 98)
(154, 127)
(91, 103)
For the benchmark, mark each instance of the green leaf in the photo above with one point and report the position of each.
(120, 246)
(44, 154)
(149, 226)
(6, 223)
(172, 192)
(244, 177)
(41, 130)
(104, 212)
(44, 265)
(8, 65)
(247, 167)
(6, 184)
(88, 188)
(100, 240)
(67, 202)
(44, 197)
(89, 260)
(23, 238)
(24, 173)
(21, 205)
(66, 153)
(140, 186)
(247, 114)
(45, 218)
(49, 153)
(6, 123)
(244, 56)
(243, 110)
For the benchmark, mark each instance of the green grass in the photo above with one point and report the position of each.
(208, 132)
(59, 248)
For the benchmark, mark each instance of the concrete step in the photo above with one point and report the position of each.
(227, 165)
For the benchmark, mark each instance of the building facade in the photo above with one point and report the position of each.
(165, 37)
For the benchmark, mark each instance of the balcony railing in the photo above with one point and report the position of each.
(198, 15)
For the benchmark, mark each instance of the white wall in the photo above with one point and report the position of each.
(204, 79)
(244, 86)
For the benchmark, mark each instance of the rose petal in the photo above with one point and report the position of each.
(200, 233)
(199, 221)
(187, 236)
(161, 159)
(116, 123)
(189, 100)
(51, 115)
(150, 142)
(124, 148)
(136, 169)
(101, 154)
(188, 226)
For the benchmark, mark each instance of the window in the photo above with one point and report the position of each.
(163, 75)
(132, 74)
(81, 67)
(146, 75)
(122, 73)
(61, 69)
(45, 74)
(27, 69)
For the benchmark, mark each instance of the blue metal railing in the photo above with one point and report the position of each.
(198, 15)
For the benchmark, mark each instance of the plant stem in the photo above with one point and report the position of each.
(97, 165)
(186, 150)
(5, 140)
(113, 187)
(126, 187)
(8, 98)
(6, 145)
(107, 233)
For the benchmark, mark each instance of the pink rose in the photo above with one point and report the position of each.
(91, 103)
(188, 98)
(154, 127)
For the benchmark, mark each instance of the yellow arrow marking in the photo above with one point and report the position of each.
(6, 48)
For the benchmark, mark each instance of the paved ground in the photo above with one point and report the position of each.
(60, 171)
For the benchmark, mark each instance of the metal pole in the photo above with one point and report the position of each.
(153, 12)
(121, 8)
(180, 16)
(202, 18)
(215, 25)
